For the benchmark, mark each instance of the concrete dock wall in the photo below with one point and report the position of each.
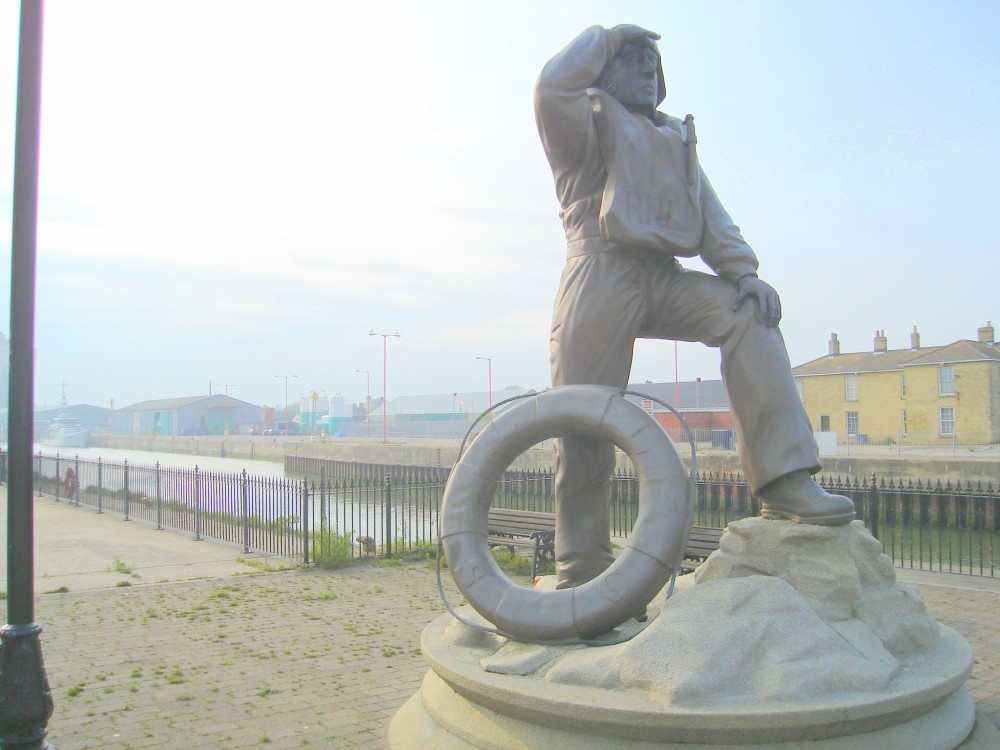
(981, 466)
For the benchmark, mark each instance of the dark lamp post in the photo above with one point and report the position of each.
(25, 698)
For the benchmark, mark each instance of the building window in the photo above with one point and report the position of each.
(902, 385)
(947, 420)
(851, 387)
(800, 388)
(904, 421)
(824, 423)
(946, 381)
(852, 423)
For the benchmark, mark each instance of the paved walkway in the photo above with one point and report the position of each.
(154, 640)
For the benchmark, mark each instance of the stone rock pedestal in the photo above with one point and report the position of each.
(790, 636)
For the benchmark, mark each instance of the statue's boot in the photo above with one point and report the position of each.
(797, 497)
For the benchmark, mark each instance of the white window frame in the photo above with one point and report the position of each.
(852, 416)
(850, 387)
(946, 425)
(946, 381)
(902, 385)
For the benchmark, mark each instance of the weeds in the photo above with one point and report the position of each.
(420, 551)
(265, 566)
(75, 690)
(334, 551)
(511, 562)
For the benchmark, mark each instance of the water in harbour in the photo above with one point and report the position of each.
(166, 460)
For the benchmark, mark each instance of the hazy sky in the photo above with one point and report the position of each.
(234, 190)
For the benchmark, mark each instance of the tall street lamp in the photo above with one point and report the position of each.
(286, 377)
(25, 698)
(489, 371)
(385, 416)
(368, 401)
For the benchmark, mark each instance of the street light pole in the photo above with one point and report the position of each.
(385, 349)
(368, 401)
(489, 371)
(286, 377)
(25, 698)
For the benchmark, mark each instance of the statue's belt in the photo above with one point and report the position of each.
(592, 246)
(596, 245)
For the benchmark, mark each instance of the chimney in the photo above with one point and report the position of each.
(881, 342)
(986, 333)
(914, 340)
(834, 345)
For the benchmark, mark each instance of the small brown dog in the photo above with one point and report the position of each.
(368, 543)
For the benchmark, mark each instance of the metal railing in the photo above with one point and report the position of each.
(924, 525)
(258, 513)
(321, 512)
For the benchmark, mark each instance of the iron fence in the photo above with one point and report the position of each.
(329, 505)
(922, 525)
(258, 513)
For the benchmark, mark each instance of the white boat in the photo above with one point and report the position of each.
(66, 432)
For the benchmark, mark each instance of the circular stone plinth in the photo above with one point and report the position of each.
(463, 706)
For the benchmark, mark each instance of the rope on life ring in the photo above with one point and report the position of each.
(652, 553)
(69, 487)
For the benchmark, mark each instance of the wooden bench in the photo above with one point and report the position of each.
(537, 531)
(524, 528)
(702, 542)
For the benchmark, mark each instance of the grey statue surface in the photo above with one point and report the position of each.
(634, 199)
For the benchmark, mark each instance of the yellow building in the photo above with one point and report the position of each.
(920, 395)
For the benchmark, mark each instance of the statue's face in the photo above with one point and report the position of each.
(632, 75)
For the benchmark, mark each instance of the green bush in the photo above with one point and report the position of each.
(511, 562)
(334, 551)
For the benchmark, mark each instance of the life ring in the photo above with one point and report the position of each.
(69, 487)
(652, 552)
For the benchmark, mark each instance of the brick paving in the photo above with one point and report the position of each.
(291, 659)
(970, 605)
(219, 651)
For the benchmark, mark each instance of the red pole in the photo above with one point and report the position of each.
(677, 398)
(385, 414)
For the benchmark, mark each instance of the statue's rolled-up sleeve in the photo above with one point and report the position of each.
(562, 106)
(722, 246)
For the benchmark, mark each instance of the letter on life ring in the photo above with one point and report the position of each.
(652, 553)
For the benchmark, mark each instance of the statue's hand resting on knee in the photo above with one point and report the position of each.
(768, 311)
